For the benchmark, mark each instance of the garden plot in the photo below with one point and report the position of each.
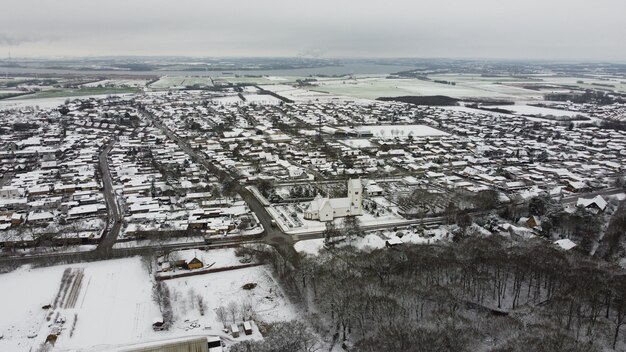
(94, 306)
(196, 300)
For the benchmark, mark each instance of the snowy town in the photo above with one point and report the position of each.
(275, 176)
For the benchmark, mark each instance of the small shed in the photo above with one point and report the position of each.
(195, 263)
(157, 323)
(234, 330)
(533, 222)
(247, 328)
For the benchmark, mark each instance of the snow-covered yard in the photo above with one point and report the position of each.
(196, 301)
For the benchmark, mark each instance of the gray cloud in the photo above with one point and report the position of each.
(556, 29)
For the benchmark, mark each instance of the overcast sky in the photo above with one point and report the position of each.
(513, 29)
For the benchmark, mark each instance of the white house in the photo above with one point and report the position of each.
(327, 209)
(598, 203)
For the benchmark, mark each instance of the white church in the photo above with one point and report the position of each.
(327, 209)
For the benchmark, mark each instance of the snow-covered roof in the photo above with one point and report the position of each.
(565, 244)
(597, 200)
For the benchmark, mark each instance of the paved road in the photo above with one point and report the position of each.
(273, 235)
(110, 253)
(114, 215)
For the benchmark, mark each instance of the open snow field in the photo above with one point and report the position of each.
(117, 83)
(372, 88)
(46, 103)
(111, 305)
(310, 95)
(111, 301)
(166, 82)
(535, 110)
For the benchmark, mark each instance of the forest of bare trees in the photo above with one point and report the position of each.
(484, 293)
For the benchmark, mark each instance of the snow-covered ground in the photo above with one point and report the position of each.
(373, 241)
(535, 110)
(266, 302)
(311, 247)
(111, 304)
(46, 103)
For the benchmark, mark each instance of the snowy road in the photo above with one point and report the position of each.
(114, 215)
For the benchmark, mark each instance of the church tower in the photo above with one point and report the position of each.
(355, 195)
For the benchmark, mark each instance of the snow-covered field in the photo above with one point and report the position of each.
(166, 82)
(112, 305)
(372, 88)
(46, 103)
(535, 110)
(310, 95)
(117, 83)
